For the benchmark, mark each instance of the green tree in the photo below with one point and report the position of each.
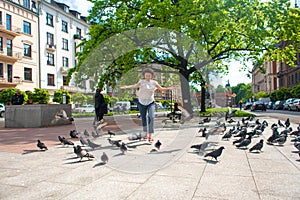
(58, 96)
(233, 29)
(40, 96)
(90, 99)
(79, 98)
(261, 95)
(6, 95)
(220, 88)
(296, 91)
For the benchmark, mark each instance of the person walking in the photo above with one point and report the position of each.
(146, 104)
(99, 106)
(240, 103)
(18, 98)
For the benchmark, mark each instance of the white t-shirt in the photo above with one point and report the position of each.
(146, 91)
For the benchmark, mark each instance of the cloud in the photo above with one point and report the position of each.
(81, 6)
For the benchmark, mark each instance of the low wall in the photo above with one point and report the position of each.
(37, 115)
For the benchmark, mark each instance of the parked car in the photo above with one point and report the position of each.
(295, 105)
(84, 108)
(2, 110)
(270, 105)
(278, 105)
(247, 106)
(259, 105)
(122, 106)
(288, 103)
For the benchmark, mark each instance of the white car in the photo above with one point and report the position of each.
(2, 110)
(84, 109)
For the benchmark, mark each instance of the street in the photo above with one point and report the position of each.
(280, 114)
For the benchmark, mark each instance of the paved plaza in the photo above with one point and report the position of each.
(174, 172)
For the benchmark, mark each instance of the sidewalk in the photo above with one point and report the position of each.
(174, 172)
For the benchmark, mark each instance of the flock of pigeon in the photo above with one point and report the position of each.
(243, 131)
(87, 143)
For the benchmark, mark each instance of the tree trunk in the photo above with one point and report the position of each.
(203, 96)
(185, 90)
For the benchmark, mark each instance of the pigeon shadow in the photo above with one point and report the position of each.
(28, 151)
(99, 164)
(78, 161)
(211, 161)
(295, 151)
(298, 160)
(163, 152)
(119, 154)
(71, 158)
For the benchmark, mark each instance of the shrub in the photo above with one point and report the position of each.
(39, 96)
(58, 96)
(6, 95)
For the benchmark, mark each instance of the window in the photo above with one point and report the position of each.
(1, 43)
(64, 26)
(9, 47)
(27, 50)
(26, 27)
(1, 22)
(50, 59)
(65, 80)
(49, 19)
(26, 3)
(65, 61)
(9, 73)
(50, 39)
(66, 9)
(27, 74)
(50, 79)
(1, 70)
(8, 22)
(78, 31)
(65, 44)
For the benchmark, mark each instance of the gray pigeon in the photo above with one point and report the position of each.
(104, 158)
(92, 145)
(215, 154)
(83, 153)
(41, 145)
(82, 141)
(258, 146)
(94, 135)
(297, 145)
(114, 142)
(123, 148)
(86, 133)
(245, 142)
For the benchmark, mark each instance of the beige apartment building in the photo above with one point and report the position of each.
(19, 45)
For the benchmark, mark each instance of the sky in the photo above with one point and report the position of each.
(234, 76)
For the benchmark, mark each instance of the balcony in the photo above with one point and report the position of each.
(64, 70)
(11, 59)
(4, 83)
(77, 37)
(51, 47)
(15, 31)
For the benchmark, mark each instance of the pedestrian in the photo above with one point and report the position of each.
(240, 103)
(146, 104)
(18, 98)
(100, 106)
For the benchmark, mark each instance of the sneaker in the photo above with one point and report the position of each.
(146, 138)
(150, 139)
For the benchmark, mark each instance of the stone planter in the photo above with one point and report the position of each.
(37, 115)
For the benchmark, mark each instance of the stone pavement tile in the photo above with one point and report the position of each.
(181, 169)
(120, 176)
(5, 172)
(165, 188)
(42, 190)
(11, 192)
(273, 197)
(278, 184)
(226, 187)
(208, 198)
(82, 175)
(27, 177)
(273, 166)
(104, 189)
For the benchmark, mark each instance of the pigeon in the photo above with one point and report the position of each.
(110, 133)
(245, 142)
(295, 133)
(135, 136)
(239, 140)
(86, 133)
(65, 141)
(123, 148)
(296, 139)
(93, 145)
(41, 145)
(280, 123)
(297, 145)
(83, 153)
(257, 122)
(82, 141)
(73, 134)
(203, 146)
(76, 150)
(258, 146)
(287, 123)
(281, 139)
(203, 131)
(215, 154)
(207, 119)
(94, 135)
(227, 135)
(157, 144)
(231, 121)
(104, 158)
(60, 139)
(114, 142)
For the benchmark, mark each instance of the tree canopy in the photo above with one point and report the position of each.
(189, 36)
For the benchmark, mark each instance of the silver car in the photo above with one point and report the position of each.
(295, 105)
(288, 103)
